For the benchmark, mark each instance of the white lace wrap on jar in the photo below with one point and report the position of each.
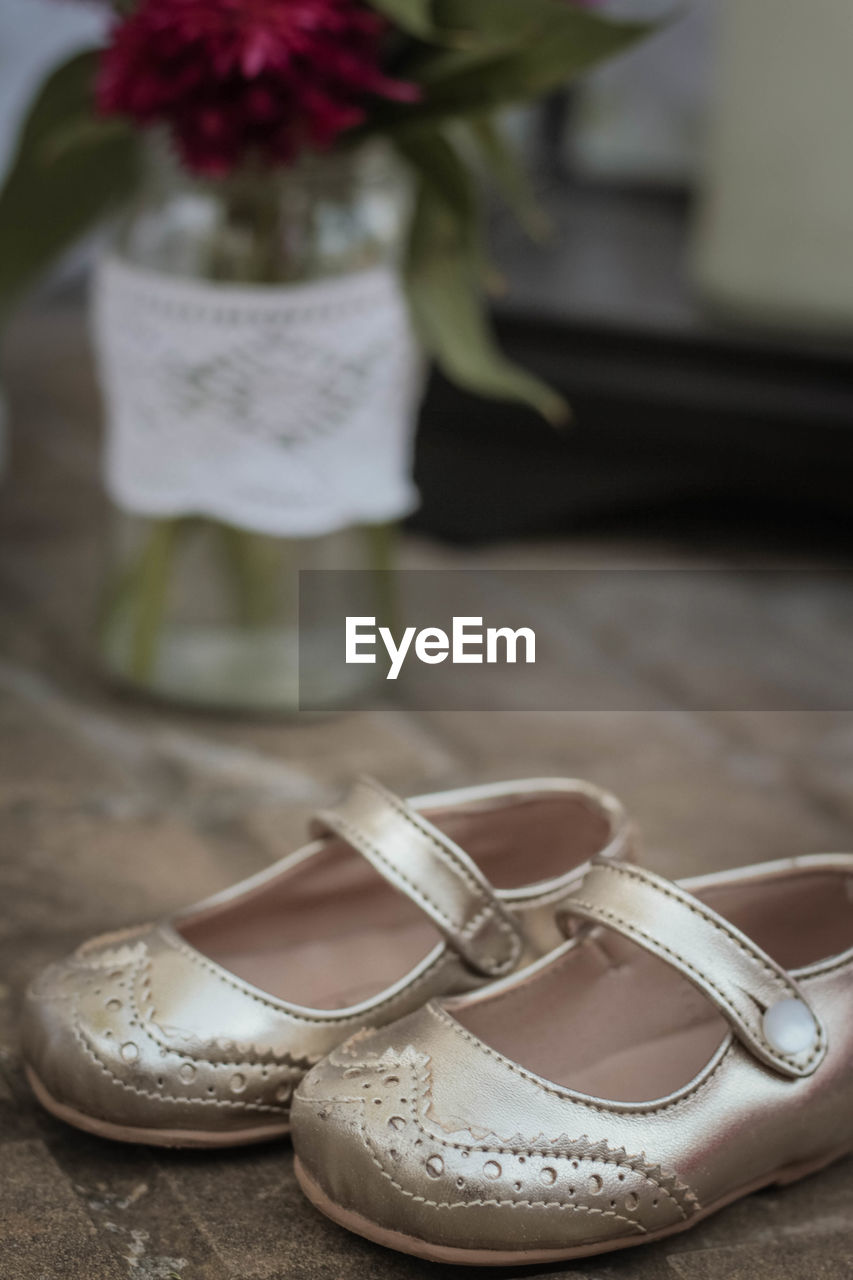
(286, 409)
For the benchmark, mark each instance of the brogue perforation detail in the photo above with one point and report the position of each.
(137, 1024)
(161, 1096)
(251, 1057)
(568, 1165)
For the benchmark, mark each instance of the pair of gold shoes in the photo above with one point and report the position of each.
(511, 1045)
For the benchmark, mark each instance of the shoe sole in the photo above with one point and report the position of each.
(524, 1257)
(151, 1137)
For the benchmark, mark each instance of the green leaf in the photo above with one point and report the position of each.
(443, 277)
(568, 42)
(439, 166)
(83, 131)
(507, 170)
(414, 16)
(70, 171)
(492, 23)
(561, 43)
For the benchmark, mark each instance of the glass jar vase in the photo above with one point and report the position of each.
(261, 384)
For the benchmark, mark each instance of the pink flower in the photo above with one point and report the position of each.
(247, 79)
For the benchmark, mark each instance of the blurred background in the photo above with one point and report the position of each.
(690, 291)
(693, 294)
(695, 300)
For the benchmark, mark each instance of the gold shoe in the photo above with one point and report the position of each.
(195, 1031)
(689, 1044)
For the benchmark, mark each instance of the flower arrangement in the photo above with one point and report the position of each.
(237, 81)
(251, 85)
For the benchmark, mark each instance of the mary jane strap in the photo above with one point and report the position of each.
(426, 865)
(766, 1008)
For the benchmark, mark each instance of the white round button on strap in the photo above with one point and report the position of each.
(789, 1027)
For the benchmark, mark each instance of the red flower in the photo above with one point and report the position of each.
(241, 79)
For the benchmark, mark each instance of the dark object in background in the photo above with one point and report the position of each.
(673, 407)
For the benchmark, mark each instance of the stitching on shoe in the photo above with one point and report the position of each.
(424, 1081)
(142, 971)
(830, 966)
(490, 966)
(514, 989)
(448, 855)
(718, 924)
(350, 829)
(115, 938)
(445, 853)
(287, 1012)
(233, 1103)
(635, 931)
(419, 1105)
(613, 1108)
(557, 1205)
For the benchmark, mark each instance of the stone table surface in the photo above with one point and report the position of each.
(112, 810)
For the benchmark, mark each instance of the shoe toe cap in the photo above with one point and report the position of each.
(369, 1141)
(99, 1057)
(82, 1038)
